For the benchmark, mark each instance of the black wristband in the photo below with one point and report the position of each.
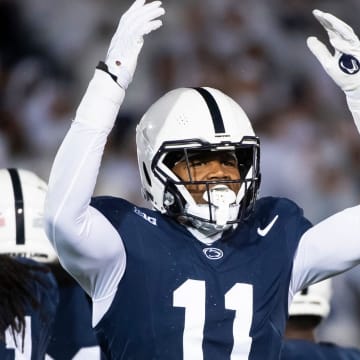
(102, 66)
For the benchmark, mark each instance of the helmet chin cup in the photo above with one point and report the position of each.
(220, 199)
(211, 217)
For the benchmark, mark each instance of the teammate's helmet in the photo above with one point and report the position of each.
(314, 300)
(184, 122)
(22, 197)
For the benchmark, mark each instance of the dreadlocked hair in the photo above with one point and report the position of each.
(15, 294)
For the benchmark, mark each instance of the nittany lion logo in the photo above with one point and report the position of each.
(213, 253)
(349, 64)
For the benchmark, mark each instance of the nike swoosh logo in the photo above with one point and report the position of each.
(265, 230)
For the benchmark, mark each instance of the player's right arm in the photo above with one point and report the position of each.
(87, 244)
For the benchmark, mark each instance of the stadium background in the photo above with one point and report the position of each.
(254, 51)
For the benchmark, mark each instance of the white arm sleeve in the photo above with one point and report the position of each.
(333, 245)
(354, 106)
(328, 248)
(87, 244)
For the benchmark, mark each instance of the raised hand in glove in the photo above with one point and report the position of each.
(140, 19)
(344, 65)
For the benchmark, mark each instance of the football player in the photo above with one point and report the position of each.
(22, 197)
(73, 337)
(28, 290)
(308, 308)
(208, 271)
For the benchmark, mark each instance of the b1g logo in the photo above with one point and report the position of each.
(148, 218)
(349, 64)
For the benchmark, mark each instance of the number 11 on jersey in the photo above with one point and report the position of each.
(191, 295)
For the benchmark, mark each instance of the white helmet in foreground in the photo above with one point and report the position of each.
(22, 197)
(312, 301)
(186, 122)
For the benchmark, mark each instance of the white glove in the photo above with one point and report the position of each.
(140, 19)
(344, 65)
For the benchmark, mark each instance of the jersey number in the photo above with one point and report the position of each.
(17, 344)
(92, 352)
(191, 295)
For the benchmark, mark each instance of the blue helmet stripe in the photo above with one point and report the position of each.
(218, 122)
(19, 206)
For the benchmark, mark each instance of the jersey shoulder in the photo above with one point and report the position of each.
(110, 203)
(334, 351)
(277, 204)
(304, 350)
(299, 349)
(46, 278)
(267, 208)
(280, 219)
(113, 208)
(120, 211)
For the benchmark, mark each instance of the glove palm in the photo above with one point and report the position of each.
(343, 66)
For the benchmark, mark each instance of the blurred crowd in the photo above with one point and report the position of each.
(255, 51)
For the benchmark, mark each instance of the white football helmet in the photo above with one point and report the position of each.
(187, 121)
(313, 300)
(22, 197)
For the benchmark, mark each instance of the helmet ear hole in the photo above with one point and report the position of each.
(147, 177)
(176, 202)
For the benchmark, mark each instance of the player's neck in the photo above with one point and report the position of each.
(205, 236)
(299, 334)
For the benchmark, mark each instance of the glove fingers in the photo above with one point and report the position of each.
(137, 4)
(334, 26)
(147, 12)
(319, 50)
(153, 4)
(150, 15)
(141, 24)
(127, 41)
(151, 26)
(136, 20)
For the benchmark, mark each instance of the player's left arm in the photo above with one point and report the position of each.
(333, 245)
(328, 248)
